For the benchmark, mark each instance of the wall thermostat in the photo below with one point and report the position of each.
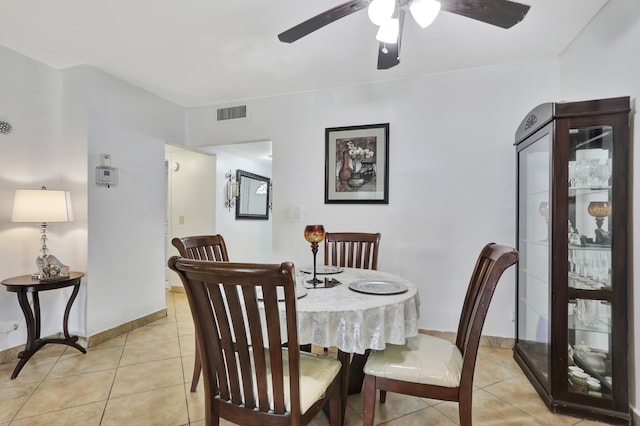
(106, 176)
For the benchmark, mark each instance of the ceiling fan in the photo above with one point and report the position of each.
(390, 15)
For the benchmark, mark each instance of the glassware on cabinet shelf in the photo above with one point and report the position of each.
(589, 269)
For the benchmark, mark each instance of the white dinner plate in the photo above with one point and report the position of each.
(300, 292)
(322, 269)
(378, 287)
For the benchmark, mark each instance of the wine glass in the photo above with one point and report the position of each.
(314, 234)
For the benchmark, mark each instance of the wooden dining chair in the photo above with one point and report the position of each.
(248, 378)
(201, 247)
(351, 249)
(431, 367)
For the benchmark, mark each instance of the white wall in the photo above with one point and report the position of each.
(192, 198)
(126, 222)
(36, 154)
(603, 62)
(246, 240)
(452, 173)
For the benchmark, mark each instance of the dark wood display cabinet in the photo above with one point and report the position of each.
(573, 168)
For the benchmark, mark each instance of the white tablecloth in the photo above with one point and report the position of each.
(354, 321)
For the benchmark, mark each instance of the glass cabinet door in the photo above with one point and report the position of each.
(533, 242)
(589, 260)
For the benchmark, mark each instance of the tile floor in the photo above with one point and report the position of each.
(143, 378)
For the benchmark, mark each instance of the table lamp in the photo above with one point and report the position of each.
(314, 234)
(43, 206)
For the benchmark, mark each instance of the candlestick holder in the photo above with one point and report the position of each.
(314, 234)
(600, 210)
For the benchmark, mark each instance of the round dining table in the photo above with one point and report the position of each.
(355, 315)
(354, 321)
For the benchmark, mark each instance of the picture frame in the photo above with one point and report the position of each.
(357, 164)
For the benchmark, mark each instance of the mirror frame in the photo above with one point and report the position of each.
(242, 175)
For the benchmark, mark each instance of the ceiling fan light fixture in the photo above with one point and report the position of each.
(381, 10)
(388, 31)
(424, 11)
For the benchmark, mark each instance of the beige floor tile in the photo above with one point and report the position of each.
(187, 368)
(94, 360)
(12, 399)
(51, 350)
(171, 315)
(85, 415)
(34, 371)
(67, 392)
(159, 407)
(186, 328)
(187, 345)
(195, 401)
(521, 394)
(147, 376)
(183, 314)
(153, 332)
(116, 341)
(396, 405)
(162, 321)
(428, 416)
(489, 410)
(150, 351)
(502, 358)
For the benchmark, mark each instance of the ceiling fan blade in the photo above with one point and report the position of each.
(319, 21)
(389, 54)
(502, 13)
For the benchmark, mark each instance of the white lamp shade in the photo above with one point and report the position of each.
(42, 205)
(388, 31)
(381, 10)
(424, 11)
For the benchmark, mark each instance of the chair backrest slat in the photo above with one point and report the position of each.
(351, 249)
(258, 348)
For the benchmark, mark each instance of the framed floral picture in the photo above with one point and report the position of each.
(357, 164)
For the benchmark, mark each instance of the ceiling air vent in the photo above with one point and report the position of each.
(232, 112)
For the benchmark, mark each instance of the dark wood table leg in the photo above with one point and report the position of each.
(344, 358)
(68, 339)
(36, 313)
(356, 373)
(33, 330)
(32, 319)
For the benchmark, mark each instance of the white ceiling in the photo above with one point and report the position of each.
(198, 52)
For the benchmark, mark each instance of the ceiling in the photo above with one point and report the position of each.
(199, 52)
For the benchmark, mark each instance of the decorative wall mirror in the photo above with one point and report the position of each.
(253, 196)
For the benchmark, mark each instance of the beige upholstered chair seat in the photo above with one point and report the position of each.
(424, 359)
(316, 374)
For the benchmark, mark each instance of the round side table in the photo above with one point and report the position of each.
(25, 284)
